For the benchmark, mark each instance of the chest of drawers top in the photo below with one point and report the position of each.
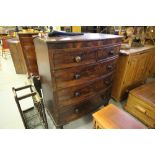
(73, 51)
(86, 37)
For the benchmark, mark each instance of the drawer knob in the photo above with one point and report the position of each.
(77, 94)
(77, 76)
(109, 67)
(111, 52)
(107, 82)
(77, 58)
(76, 110)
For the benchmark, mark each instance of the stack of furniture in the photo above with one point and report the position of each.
(111, 117)
(17, 56)
(133, 68)
(76, 73)
(141, 103)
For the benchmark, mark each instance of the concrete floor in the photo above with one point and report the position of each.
(9, 114)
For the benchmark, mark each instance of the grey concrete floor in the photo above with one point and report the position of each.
(9, 114)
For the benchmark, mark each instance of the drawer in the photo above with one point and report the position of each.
(109, 51)
(72, 112)
(82, 74)
(141, 106)
(74, 57)
(141, 110)
(74, 95)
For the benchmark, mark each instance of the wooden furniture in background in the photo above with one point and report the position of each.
(26, 40)
(76, 73)
(5, 46)
(111, 117)
(17, 56)
(151, 63)
(141, 104)
(3, 35)
(133, 68)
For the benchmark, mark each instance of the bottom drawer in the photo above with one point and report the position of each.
(73, 112)
(141, 110)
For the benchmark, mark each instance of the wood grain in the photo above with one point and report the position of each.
(17, 56)
(26, 40)
(111, 117)
(132, 71)
(141, 104)
(75, 80)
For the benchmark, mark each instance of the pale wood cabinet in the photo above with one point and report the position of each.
(133, 68)
(151, 64)
(17, 56)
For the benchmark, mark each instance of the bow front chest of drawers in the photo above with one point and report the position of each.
(76, 73)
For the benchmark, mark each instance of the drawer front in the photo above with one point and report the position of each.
(74, 95)
(105, 52)
(82, 74)
(77, 57)
(141, 110)
(72, 112)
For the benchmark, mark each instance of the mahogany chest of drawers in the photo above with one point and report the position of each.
(76, 73)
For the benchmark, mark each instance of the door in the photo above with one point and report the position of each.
(151, 64)
(136, 69)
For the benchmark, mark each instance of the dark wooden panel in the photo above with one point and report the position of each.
(109, 51)
(74, 58)
(74, 95)
(73, 112)
(82, 74)
(76, 73)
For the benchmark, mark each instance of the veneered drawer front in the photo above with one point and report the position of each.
(82, 74)
(109, 51)
(75, 111)
(74, 58)
(74, 95)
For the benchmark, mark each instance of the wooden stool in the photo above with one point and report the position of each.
(141, 104)
(111, 117)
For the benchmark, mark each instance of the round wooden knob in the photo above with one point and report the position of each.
(77, 93)
(107, 82)
(77, 110)
(111, 52)
(77, 58)
(77, 76)
(109, 67)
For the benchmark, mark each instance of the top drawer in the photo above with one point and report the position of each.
(109, 51)
(74, 57)
(82, 56)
